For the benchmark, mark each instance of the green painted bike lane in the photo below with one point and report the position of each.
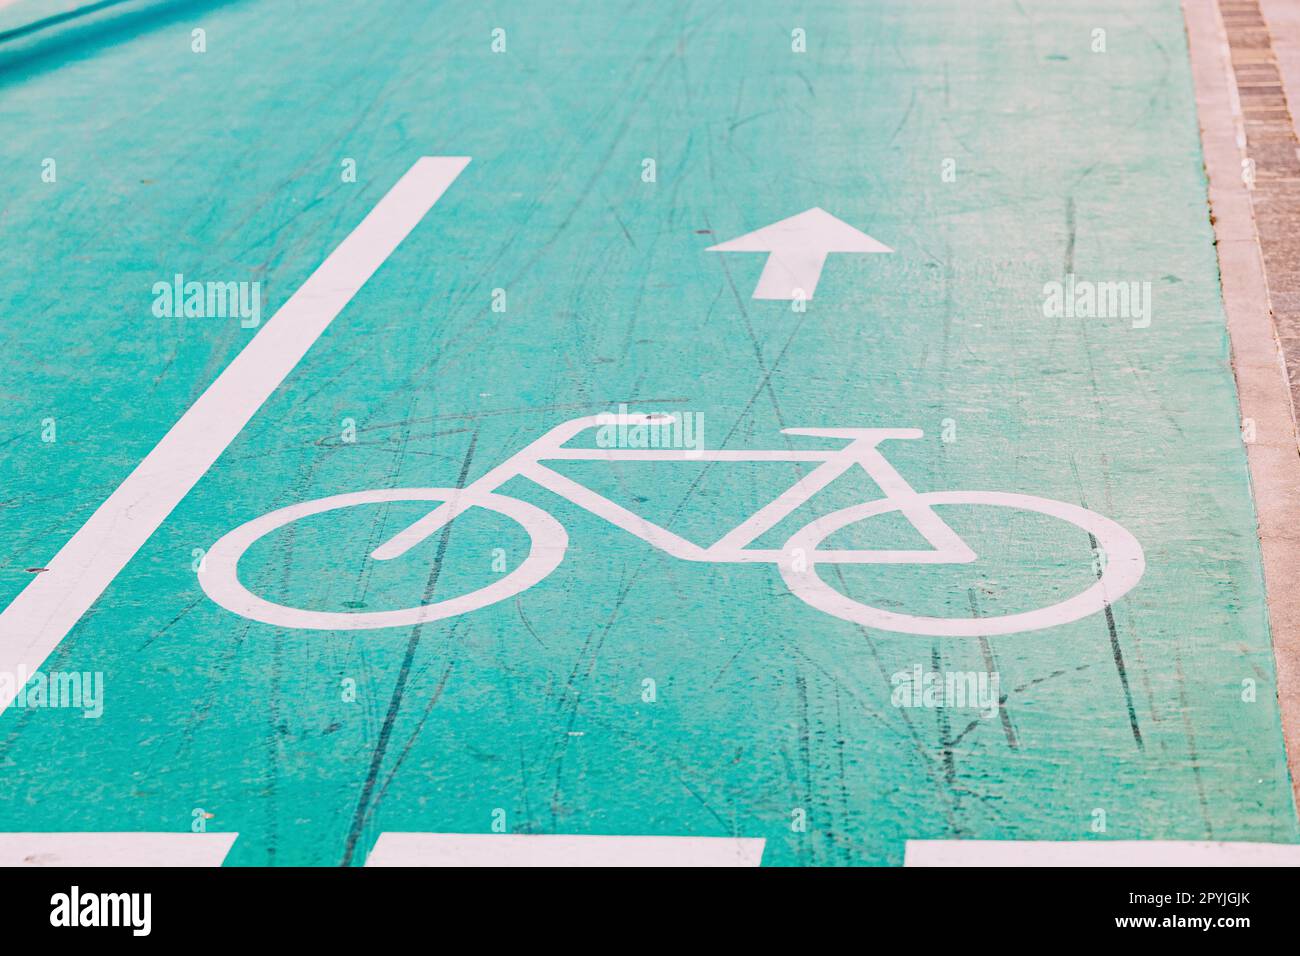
(766, 713)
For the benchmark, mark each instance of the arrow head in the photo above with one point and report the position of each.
(814, 231)
(797, 249)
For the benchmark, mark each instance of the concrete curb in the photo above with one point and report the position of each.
(1257, 357)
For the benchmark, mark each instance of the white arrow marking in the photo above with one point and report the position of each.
(797, 248)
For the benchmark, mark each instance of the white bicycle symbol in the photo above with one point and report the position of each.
(1123, 565)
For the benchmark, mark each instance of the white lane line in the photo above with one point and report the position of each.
(1097, 853)
(510, 849)
(115, 849)
(32, 626)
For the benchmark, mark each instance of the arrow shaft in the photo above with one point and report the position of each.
(789, 274)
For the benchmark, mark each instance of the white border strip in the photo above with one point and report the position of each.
(115, 849)
(1097, 853)
(508, 849)
(37, 620)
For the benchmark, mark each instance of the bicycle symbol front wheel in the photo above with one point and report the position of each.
(220, 577)
(1124, 565)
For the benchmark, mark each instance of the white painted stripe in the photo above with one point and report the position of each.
(1097, 853)
(32, 626)
(508, 849)
(115, 849)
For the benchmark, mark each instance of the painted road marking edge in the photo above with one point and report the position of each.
(43, 613)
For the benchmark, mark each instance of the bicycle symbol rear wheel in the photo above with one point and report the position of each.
(220, 578)
(1124, 564)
